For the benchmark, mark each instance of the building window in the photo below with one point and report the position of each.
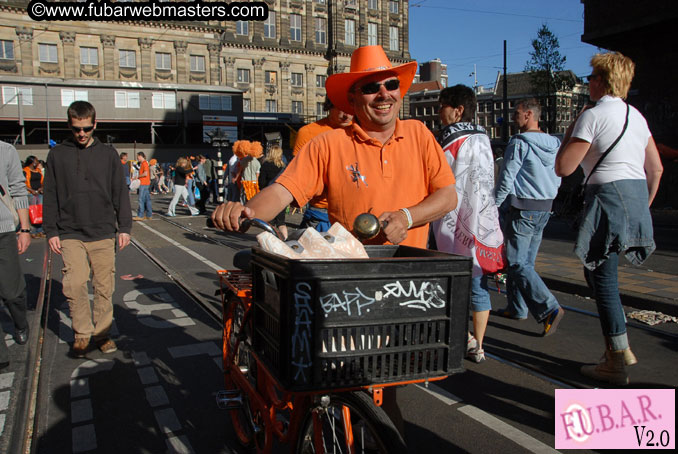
(163, 61)
(297, 80)
(349, 32)
(271, 105)
(6, 50)
(69, 96)
(164, 100)
(372, 34)
(127, 99)
(373, 4)
(351, 3)
(320, 80)
(198, 63)
(269, 25)
(47, 53)
(215, 102)
(320, 30)
(10, 95)
(298, 107)
(322, 2)
(393, 7)
(393, 38)
(243, 75)
(128, 59)
(242, 28)
(89, 56)
(295, 27)
(246, 105)
(320, 109)
(270, 77)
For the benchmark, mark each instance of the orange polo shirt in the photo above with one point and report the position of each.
(304, 135)
(146, 180)
(359, 174)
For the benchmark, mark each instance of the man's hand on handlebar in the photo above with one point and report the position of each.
(394, 226)
(227, 216)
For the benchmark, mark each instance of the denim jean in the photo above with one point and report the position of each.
(179, 192)
(480, 296)
(191, 194)
(604, 282)
(525, 289)
(144, 202)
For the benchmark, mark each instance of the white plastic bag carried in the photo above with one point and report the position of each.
(336, 243)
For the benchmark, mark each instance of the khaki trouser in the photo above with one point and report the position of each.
(79, 258)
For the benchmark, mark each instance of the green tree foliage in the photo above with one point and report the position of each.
(545, 66)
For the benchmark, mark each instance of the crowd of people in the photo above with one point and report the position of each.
(437, 192)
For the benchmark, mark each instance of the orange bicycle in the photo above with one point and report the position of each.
(310, 345)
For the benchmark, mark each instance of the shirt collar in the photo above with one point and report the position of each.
(360, 134)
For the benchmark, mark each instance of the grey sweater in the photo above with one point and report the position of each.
(12, 179)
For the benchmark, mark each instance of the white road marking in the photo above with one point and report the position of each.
(6, 380)
(147, 375)
(81, 410)
(145, 312)
(507, 430)
(441, 394)
(183, 248)
(79, 387)
(156, 396)
(84, 438)
(203, 348)
(4, 400)
(167, 420)
(179, 445)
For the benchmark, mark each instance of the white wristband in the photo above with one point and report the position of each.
(409, 217)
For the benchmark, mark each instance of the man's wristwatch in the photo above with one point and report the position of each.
(24, 230)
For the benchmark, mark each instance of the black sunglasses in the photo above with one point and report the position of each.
(76, 130)
(374, 87)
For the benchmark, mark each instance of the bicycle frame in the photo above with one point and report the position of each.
(268, 398)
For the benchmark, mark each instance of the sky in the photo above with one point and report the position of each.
(462, 33)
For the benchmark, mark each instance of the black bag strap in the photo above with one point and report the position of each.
(614, 144)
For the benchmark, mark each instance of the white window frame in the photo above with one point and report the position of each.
(124, 57)
(6, 50)
(320, 109)
(10, 95)
(351, 3)
(320, 30)
(69, 95)
(243, 72)
(242, 28)
(197, 63)
(393, 38)
(268, 80)
(349, 32)
(393, 7)
(246, 105)
(161, 59)
(298, 107)
(372, 34)
(166, 100)
(127, 99)
(271, 105)
(89, 56)
(320, 80)
(297, 79)
(48, 53)
(269, 26)
(295, 27)
(373, 4)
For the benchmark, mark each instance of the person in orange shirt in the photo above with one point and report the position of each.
(145, 211)
(316, 214)
(380, 164)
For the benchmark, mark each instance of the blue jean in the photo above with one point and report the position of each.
(603, 281)
(480, 296)
(144, 202)
(524, 288)
(190, 184)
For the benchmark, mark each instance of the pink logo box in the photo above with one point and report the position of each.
(615, 418)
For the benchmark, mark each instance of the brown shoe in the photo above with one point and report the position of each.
(137, 218)
(107, 345)
(80, 347)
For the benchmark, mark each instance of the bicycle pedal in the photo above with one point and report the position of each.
(229, 399)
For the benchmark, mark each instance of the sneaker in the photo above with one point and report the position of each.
(80, 347)
(507, 313)
(170, 215)
(471, 343)
(137, 218)
(552, 321)
(107, 345)
(477, 355)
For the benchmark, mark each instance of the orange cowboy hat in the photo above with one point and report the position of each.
(366, 61)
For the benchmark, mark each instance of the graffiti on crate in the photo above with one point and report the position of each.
(424, 296)
(335, 302)
(301, 338)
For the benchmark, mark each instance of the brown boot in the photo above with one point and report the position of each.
(629, 358)
(80, 347)
(611, 368)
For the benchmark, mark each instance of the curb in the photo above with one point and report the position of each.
(632, 299)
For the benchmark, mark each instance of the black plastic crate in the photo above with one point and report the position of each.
(400, 315)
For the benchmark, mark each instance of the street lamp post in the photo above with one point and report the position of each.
(218, 139)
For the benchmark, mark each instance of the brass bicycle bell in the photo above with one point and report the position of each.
(366, 226)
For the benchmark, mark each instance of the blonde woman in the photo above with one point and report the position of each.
(614, 146)
(182, 169)
(272, 165)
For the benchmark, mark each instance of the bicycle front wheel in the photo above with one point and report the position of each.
(349, 418)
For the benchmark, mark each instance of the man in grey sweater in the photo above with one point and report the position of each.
(13, 243)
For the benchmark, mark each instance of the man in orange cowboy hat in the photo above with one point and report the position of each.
(380, 164)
